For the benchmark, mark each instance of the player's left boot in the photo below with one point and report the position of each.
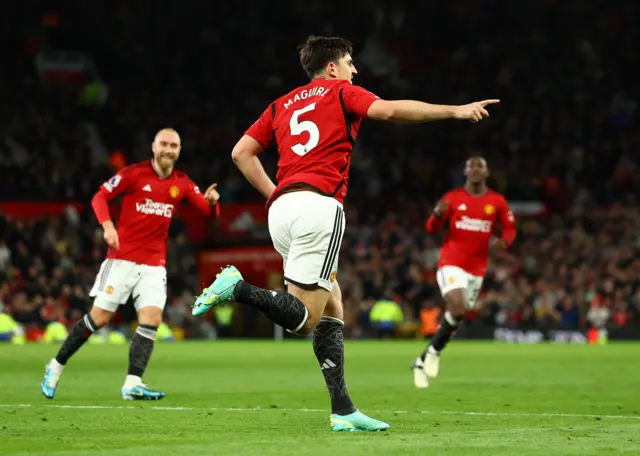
(356, 421)
(420, 378)
(50, 381)
(141, 392)
(219, 292)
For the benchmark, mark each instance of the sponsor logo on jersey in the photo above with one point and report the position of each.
(150, 207)
(174, 191)
(471, 224)
(489, 209)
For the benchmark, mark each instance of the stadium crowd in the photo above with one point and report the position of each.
(565, 135)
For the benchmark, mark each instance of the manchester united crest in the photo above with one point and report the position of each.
(174, 191)
(489, 209)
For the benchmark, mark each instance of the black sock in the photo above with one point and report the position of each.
(328, 345)
(281, 307)
(78, 335)
(141, 349)
(442, 336)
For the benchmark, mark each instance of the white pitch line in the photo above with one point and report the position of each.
(308, 410)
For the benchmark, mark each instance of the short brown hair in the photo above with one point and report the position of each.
(317, 51)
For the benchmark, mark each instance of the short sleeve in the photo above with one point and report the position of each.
(262, 129)
(357, 100)
(119, 183)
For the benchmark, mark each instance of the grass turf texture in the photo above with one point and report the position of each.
(269, 398)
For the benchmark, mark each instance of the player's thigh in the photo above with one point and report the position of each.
(316, 237)
(314, 299)
(473, 290)
(150, 294)
(113, 284)
(280, 219)
(334, 307)
(451, 278)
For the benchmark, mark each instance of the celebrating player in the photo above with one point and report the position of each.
(471, 212)
(135, 264)
(315, 127)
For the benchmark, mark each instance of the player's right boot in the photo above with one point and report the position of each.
(356, 421)
(420, 379)
(141, 392)
(50, 381)
(432, 363)
(220, 291)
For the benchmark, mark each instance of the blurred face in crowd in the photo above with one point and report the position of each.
(343, 68)
(476, 170)
(166, 148)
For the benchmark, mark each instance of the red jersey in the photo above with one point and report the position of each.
(315, 127)
(472, 220)
(148, 204)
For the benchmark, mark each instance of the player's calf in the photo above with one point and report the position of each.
(456, 310)
(328, 346)
(282, 307)
(141, 348)
(78, 335)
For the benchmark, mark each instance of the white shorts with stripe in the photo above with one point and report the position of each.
(453, 278)
(306, 229)
(119, 279)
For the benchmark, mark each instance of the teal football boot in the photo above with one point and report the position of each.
(355, 422)
(219, 292)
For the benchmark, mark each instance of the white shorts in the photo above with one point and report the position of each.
(119, 279)
(306, 229)
(453, 278)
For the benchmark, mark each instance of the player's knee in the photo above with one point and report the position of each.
(315, 301)
(100, 316)
(150, 315)
(334, 308)
(457, 303)
(334, 311)
(310, 324)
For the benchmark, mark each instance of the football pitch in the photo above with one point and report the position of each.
(268, 398)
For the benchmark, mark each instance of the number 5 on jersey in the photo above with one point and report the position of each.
(297, 128)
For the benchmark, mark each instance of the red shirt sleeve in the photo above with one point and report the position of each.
(262, 129)
(115, 186)
(507, 223)
(357, 100)
(435, 224)
(196, 199)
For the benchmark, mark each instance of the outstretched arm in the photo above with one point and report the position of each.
(207, 203)
(412, 111)
(363, 103)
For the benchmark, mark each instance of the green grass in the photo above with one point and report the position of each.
(267, 398)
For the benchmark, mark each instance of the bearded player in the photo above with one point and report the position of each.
(135, 264)
(315, 127)
(471, 212)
